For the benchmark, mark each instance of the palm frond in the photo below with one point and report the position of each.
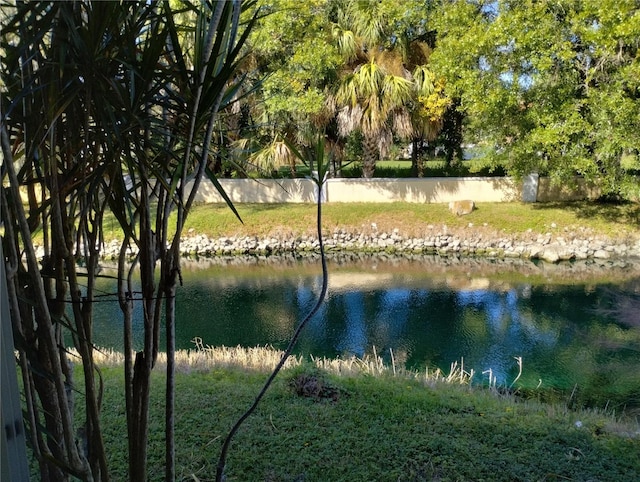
(349, 119)
(272, 156)
(402, 124)
(369, 78)
(424, 80)
(347, 44)
(348, 91)
(368, 21)
(396, 91)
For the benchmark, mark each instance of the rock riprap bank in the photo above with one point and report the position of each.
(548, 247)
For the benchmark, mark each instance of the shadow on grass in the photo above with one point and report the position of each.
(623, 212)
(266, 207)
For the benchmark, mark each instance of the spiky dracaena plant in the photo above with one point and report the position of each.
(101, 109)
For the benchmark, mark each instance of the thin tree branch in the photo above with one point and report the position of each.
(323, 292)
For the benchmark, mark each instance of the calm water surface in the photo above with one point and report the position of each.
(428, 312)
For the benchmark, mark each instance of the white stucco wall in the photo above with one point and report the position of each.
(425, 190)
(258, 191)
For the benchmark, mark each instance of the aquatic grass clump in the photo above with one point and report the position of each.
(203, 358)
(374, 365)
(265, 358)
(262, 359)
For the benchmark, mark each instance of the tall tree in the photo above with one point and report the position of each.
(428, 115)
(373, 101)
(608, 65)
(309, 50)
(293, 52)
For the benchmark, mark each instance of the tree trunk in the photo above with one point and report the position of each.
(336, 168)
(420, 165)
(452, 134)
(170, 318)
(370, 156)
(125, 289)
(417, 157)
(55, 431)
(48, 373)
(414, 158)
(138, 416)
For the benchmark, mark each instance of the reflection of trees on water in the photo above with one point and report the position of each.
(549, 330)
(434, 327)
(560, 331)
(354, 338)
(511, 330)
(368, 319)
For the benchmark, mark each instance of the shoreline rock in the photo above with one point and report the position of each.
(547, 248)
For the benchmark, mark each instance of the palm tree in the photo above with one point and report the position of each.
(274, 155)
(374, 101)
(386, 89)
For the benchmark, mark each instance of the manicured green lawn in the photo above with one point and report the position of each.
(581, 219)
(373, 429)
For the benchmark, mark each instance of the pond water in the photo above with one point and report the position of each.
(425, 312)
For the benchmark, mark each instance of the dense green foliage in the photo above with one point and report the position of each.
(370, 428)
(546, 86)
(355, 70)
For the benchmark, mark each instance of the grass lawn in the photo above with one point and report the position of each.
(371, 428)
(411, 219)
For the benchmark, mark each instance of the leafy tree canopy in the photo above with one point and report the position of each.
(293, 46)
(543, 86)
(547, 86)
